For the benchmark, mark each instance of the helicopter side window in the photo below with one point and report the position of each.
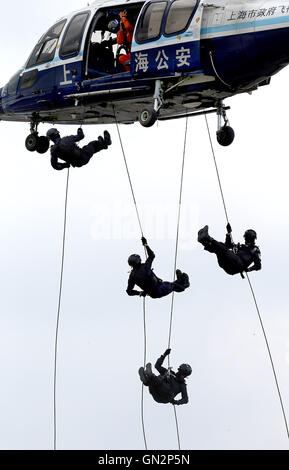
(179, 15)
(13, 84)
(150, 24)
(44, 50)
(28, 79)
(73, 36)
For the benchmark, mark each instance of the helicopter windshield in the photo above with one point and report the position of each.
(45, 48)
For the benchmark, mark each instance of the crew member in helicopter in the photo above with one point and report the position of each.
(233, 258)
(124, 30)
(166, 386)
(143, 276)
(66, 149)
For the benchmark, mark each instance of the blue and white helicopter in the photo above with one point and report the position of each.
(185, 58)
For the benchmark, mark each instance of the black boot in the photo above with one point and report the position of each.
(179, 274)
(185, 280)
(148, 370)
(107, 138)
(102, 143)
(143, 376)
(203, 235)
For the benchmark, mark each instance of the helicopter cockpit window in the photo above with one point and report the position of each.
(179, 15)
(150, 25)
(73, 36)
(13, 83)
(44, 50)
(28, 79)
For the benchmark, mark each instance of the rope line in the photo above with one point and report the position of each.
(128, 173)
(175, 265)
(216, 73)
(58, 315)
(178, 231)
(253, 295)
(270, 355)
(144, 301)
(217, 170)
(144, 361)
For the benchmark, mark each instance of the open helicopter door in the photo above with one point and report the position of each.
(167, 38)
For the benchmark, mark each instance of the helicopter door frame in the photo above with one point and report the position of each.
(168, 54)
(133, 6)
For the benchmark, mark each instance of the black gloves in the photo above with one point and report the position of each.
(142, 294)
(144, 241)
(167, 352)
(229, 228)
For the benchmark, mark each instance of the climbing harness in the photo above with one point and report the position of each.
(58, 315)
(252, 291)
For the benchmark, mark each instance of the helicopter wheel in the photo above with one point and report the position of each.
(225, 136)
(147, 117)
(31, 142)
(42, 144)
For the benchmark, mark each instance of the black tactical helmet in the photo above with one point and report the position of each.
(52, 133)
(185, 370)
(113, 26)
(134, 260)
(250, 236)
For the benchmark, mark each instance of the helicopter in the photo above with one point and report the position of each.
(185, 58)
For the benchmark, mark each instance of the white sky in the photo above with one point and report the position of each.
(233, 399)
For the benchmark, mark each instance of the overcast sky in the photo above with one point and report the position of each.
(233, 399)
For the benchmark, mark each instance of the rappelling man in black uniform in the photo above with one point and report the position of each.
(143, 276)
(233, 258)
(166, 386)
(66, 149)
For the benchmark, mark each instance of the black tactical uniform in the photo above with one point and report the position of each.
(66, 149)
(166, 386)
(233, 258)
(143, 276)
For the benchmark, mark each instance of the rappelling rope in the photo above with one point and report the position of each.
(58, 314)
(178, 231)
(128, 174)
(217, 170)
(270, 355)
(144, 362)
(252, 291)
(175, 265)
(144, 300)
